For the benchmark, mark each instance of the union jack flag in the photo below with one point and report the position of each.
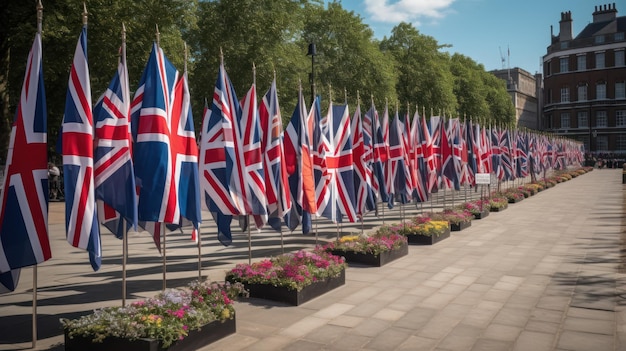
(339, 199)
(217, 154)
(419, 133)
(486, 164)
(396, 166)
(434, 153)
(385, 155)
(81, 218)
(317, 129)
(299, 165)
(496, 154)
(408, 154)
(371, 125)
(506, 159)
(521, 153)
(151, 115)
(472, 151)
(362, 172)
(274, 165)
(24, 195)
(449, 177)
(184, 155)
(114, 174)
(252, 156)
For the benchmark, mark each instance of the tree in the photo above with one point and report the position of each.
(62, 21)
(348, 56)
(469, 88)
(423, 71)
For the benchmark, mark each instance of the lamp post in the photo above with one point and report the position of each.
(312, 52)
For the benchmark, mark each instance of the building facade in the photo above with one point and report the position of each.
(584, 82)
(525, 90)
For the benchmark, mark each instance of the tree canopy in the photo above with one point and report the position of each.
(272, 35)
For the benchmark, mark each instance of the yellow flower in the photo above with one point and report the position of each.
(225, 313)
(348, 238)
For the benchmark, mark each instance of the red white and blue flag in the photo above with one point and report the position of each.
(114, 174)
(434, 153)
(419, 135)
(339, 199)
(24, 196)
(386, 156)
(81, 218)
(274, 164)
(184, 155)
(396, 167)
(151, 115)
(365, 198)
(252, 156)
(407, 150)
(217, 154)
(371, 125)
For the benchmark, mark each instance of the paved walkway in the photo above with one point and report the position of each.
(546, 274)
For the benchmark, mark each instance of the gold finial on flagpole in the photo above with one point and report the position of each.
(84, 14)
(221, 57)
(158, 36)
(39, 16)
(358, 98)
(345, 95)
(123, 32)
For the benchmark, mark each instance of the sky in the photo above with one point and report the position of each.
(485, 30)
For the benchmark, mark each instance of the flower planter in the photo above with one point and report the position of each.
(196, 339)
(457, 227)
(514, 201)
(295, 297)
(415, 239)
(498, 209)
(370, 259)
(480, 215)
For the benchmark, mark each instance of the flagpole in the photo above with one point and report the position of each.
(162, 224)
(124, 260)
(249, 240)
(124, 230)
(199, 239)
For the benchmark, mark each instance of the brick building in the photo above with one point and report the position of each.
(585, 82)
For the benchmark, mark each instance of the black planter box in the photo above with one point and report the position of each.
(498, 209)
(483, 214)
(427, 240)
(370, 259)
(514, 201)
(196, 339)
(294, 297)
(457, 227)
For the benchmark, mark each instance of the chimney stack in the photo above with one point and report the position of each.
(565, 32)
(604, 13)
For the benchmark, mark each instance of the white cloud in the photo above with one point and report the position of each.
(406, 10)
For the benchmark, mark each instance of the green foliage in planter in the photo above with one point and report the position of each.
(293, 271)
(373, 244)
(498, 202)
(451, 215)
(168, 317)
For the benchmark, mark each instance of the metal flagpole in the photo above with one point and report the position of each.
(124, 261)
(162, 224)
(249, 241)
(34, 316)
(282, 243)
(199, 240)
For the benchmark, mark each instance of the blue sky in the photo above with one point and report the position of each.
(481, 28)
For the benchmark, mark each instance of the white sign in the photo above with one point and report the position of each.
(483, 178)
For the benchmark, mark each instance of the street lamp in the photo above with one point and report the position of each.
(312, 52)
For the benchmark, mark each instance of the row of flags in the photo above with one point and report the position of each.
(130, 163)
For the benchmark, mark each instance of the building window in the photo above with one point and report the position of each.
(601, 91)
(564, 94)
(600, 118)
(564, 61)
(619, 58)
(585, 140)
(619, 36)
(564, 120)
(602, 143)
(620, 118)
(582, 92)
(581, 61)
(599, 39)
(620, 92)
(620, 142)
(583, 119)
(548, 69)
(599, 59)
(564, 44)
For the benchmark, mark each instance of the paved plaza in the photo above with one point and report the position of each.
(548, 273)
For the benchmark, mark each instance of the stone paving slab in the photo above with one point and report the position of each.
(545, 274)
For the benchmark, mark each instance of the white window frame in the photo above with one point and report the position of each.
(564, 64)
(582, 92)
(565, 120)
(581, 62)
(564, 94)
(620, 118)
(601, 117)
(583, 116)
(601, 91)
(600, 60)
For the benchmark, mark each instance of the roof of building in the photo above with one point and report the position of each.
(592, 29)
